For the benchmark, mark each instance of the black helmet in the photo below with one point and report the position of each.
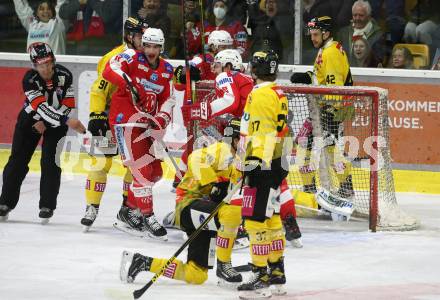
(324, 23)
(233, 128)
(134, 25)
(40, 53)
(264, 63)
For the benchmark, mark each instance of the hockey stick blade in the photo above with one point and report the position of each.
(138, 293)
(243, 268)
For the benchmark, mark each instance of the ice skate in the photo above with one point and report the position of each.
(153, 228)
(346, 189)
(90, 216)
(242, 239)
(169, 219)
(277, 278)
(227, 275)
(310, 188)
(292, 232)
(4, 213)
(174, 185)
(45, 215)
(258, 286)
(132, 264)
(130, 221)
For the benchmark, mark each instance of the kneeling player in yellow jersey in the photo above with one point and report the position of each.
(264, 126)
(103, 147)
(205, 184)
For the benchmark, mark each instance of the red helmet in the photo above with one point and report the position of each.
(40, 53)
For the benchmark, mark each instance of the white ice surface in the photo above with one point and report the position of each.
(338, 261)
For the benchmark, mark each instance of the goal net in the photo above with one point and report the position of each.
(347, 152)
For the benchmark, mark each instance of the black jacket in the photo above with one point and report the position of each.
(50, 101)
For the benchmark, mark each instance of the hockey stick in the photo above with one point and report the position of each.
(138, 293)
(188, 92)
(173, 161)
(202, 27)
(132, 89)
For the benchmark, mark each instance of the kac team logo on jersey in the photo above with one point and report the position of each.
(141, 57)
(154, 77)
(169, 68)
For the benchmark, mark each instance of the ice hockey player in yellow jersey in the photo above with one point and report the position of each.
(331, 67)
(210, 173)
(102, 145)
(264, 127)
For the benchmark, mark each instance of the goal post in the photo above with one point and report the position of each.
(355, 146)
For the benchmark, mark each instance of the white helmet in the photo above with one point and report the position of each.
(220, 38)
(231, 56)
(153, 36)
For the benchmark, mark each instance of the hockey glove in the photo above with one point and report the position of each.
(197, 111)
(219, 191)
(146, 100)
(180, 74)
(98, 124)
(304, 132)
(303, 78)
(344, 113)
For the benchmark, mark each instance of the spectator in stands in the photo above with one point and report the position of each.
(424, 21)
(219, 19)
(92, 18)
(265, 34)
(361, 54)
(338, 10)
(43, 24)
(193, 31)
(154, 13)
(364, 25)
(394, 17)
(401, 58)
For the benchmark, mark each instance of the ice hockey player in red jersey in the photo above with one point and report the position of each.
(219, 19)
(232, 87)
(200, 69)
(140, 111)
(201, 63)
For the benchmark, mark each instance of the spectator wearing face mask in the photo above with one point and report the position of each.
(362, 56)
(43, 24)
(219, 19)
(364, 25)
(401, 58)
